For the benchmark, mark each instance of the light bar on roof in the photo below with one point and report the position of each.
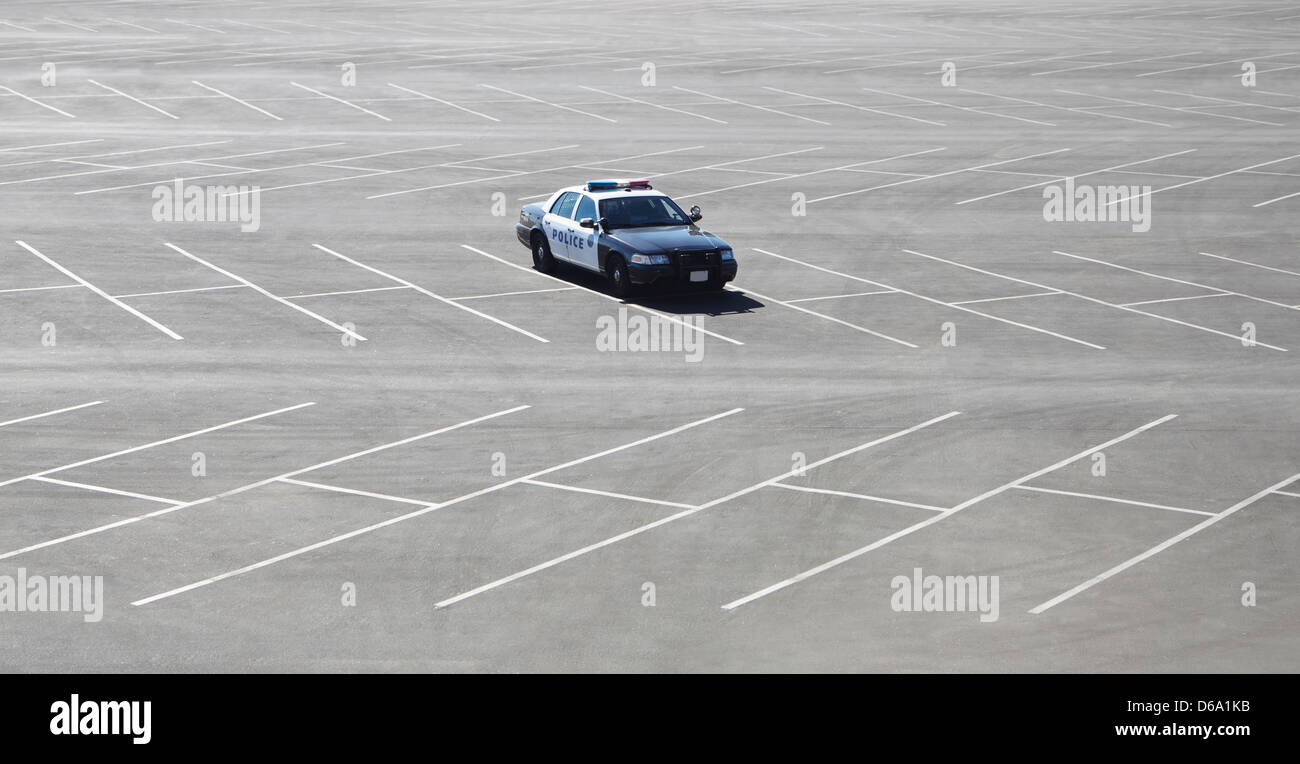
(610, 185)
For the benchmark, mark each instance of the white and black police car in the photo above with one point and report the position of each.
(627, 232)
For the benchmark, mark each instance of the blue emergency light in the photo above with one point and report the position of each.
(610, 185)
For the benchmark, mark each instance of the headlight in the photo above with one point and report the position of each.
(640, 259)
(727, 254)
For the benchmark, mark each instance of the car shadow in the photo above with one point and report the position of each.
(681, 300)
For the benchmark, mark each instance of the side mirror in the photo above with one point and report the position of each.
(696, 214)
(602, 224)
(587, 223)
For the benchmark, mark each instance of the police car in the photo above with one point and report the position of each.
(627, 232)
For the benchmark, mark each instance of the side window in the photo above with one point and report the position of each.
(564, 205)
(586, 209)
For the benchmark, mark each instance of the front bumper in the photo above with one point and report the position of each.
(678, 273)
(524, 233)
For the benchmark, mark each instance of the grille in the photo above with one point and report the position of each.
(697, 259)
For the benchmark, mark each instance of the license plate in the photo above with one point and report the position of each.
(699, 275)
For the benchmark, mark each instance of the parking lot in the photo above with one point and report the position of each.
(366, 435)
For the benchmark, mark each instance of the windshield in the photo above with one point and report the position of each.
(641, 211)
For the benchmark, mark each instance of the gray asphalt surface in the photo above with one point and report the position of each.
(500, 503)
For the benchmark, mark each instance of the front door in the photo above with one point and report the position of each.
(582, 247)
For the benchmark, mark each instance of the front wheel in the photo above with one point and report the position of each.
(619, 283)
(542, 259)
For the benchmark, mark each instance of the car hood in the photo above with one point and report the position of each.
(668, 238)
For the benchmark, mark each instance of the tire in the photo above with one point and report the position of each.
(619, 282)
(542, 259)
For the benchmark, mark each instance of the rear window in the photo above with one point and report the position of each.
(564, 205)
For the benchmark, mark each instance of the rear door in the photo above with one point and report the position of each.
(557, 222)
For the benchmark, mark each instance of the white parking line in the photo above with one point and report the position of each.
(133, 98)
(38, 103)
(196, 26)
(1114, 63)
(684, 513)
(261, 291)
(49, 413)
(70, 24)
(823, 316)
(1178, 281)
(1227, 101)
(512, 294)
(369, 174)
(180, 291)
(446, 103)
(251, 172)
(45, 160)
(340, 100)
(1215, 63)
(426, 292)
(243, 488)
(1254, 265)
(962, 108)
(101, 292)
(635, 306)
(1075, 109)
(1113, 499)
(855, 106)
(1028, 61)
(1080, 175)
(163, 442)
(43, 288)
(655, 105)
(937, 175)
(256, 26)
(1176, 299)
(345, 291)
(937, 301)
(548, 103)
(1098, 301)
(857, 57)
(136, 26)
(838, 296)
(105, 489)
(608, 494)
(1182, 109)
(1158, 548)
(814, 172)
(521, 173)
(753, 106)
(48, 145)
(237, 100)
(356, 492)
(419, 512)
(938, 517)
(1008, 297)
(862, 496)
